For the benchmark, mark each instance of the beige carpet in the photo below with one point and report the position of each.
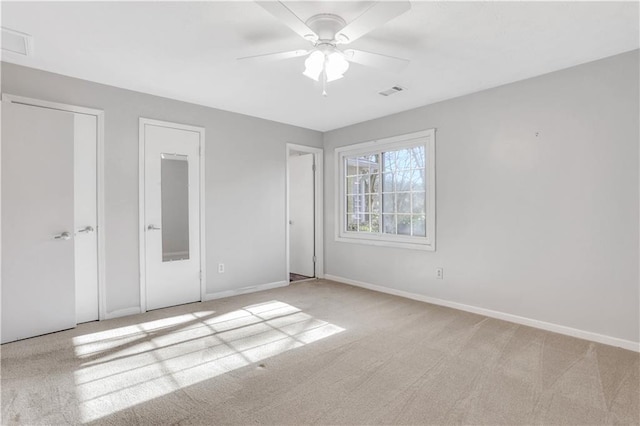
(315, 352)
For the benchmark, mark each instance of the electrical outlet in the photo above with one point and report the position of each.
(220, 268)
(440, 273)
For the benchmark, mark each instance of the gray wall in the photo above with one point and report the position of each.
(537, 200)
(543, 226)
(245, 180)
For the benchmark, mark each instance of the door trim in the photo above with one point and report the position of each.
(141, 199)
(318, 161)
(99, 114)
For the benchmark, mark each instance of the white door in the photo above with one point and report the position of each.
(301, 215)
(171, 215)
(38, 288)
(85, 217)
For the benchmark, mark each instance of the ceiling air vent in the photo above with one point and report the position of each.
(17, 42)
(394, 89)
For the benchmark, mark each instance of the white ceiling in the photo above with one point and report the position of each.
(188, 51)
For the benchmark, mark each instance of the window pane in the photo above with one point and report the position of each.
(388, 203)
(404, 224)
(418, 203)
(352, 185)
(366, 203)
(417, 157)
(367, 184)
(368, 165)
(389, 223)
(374, 183)
(351, 166)
(364, 184)
(367, 160)
(375, 223)
(364, 226)
(351, 203)
(403, 159)
(403, 202)
(359, 204)
(419, 226)
(387, 182)
(375, 163)
(352, 224)
(375, 203)
(417, 180)
(388, 161)
(403, 180)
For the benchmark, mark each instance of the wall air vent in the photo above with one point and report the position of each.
(394, 89)
(17, 42)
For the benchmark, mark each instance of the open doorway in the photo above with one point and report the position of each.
(304, 213)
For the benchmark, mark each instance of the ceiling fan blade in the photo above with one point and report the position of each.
(376, 60)
(268, 57)
(376, 15)
(283, 13)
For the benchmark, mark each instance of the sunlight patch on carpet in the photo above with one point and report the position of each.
(130, 365)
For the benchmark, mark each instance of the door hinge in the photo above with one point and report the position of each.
(313, 167)
(314, 259)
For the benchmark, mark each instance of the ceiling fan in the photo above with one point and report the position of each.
(326, 62)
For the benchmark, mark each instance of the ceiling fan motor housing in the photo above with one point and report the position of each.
(326, 26)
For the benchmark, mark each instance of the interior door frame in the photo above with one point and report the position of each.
(318, 161)
(100, 228)
(141, 198)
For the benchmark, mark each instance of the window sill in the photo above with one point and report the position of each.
(422, 246)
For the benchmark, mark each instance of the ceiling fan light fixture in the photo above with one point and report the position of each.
(326, 31)
(314, 65)
(333, 77)
(335, 66)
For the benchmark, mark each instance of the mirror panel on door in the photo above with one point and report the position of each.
(175, 207)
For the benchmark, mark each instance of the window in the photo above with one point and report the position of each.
(386, 191)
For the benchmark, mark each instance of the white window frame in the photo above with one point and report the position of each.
(426, 138)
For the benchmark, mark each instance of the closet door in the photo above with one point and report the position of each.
(171, 214)
(38, 288)
(86, 217)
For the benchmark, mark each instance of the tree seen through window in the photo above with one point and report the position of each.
(386, 192)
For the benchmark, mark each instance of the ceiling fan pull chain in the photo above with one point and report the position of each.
(324, 82)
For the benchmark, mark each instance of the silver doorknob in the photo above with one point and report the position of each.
(87, 229)
(64, 236)
(153, 228)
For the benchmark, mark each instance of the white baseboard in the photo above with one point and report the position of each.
(209, 296)
(556, 328)
(244, 290)
(123, 312)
